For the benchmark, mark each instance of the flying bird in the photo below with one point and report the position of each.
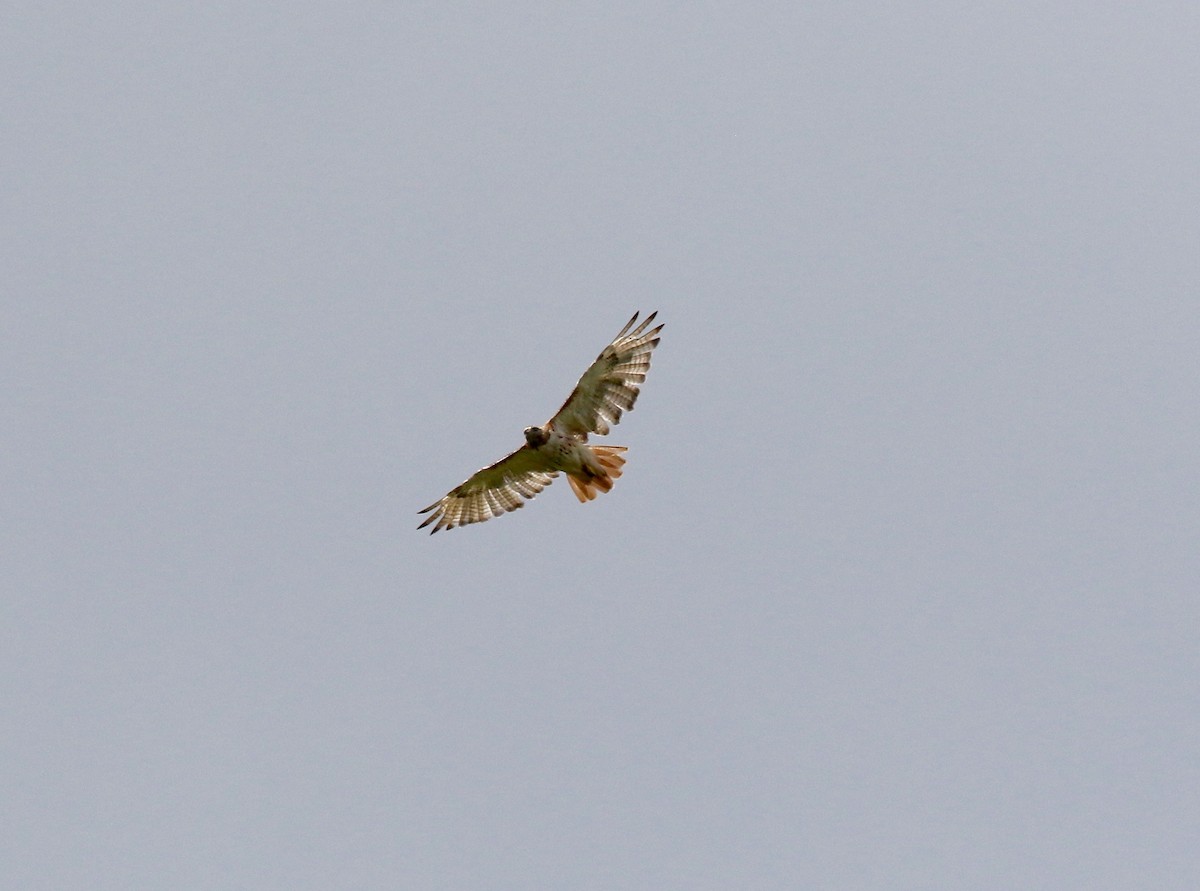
(608, 388)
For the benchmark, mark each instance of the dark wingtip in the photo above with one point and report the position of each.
(625, 330)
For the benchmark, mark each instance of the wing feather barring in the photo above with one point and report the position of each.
(608, 388)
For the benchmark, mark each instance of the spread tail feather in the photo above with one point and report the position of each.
(588, 484)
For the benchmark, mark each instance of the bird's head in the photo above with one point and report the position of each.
(536, 436)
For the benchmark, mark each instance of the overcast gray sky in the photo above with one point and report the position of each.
(899, 589)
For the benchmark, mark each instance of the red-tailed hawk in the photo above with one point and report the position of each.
(606, 389)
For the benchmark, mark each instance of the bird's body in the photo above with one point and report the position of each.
(566, 453)
(609, 387)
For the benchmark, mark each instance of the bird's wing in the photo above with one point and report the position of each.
(491, 491)
(611, 385)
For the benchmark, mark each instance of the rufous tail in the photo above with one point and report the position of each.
(588, 484)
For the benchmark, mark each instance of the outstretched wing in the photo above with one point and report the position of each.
(500, 487)
(612, 384)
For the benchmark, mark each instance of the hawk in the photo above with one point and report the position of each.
(608, 388)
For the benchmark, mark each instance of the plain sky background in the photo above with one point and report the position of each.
(900, 588)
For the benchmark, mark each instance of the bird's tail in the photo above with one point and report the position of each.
(587, 484)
